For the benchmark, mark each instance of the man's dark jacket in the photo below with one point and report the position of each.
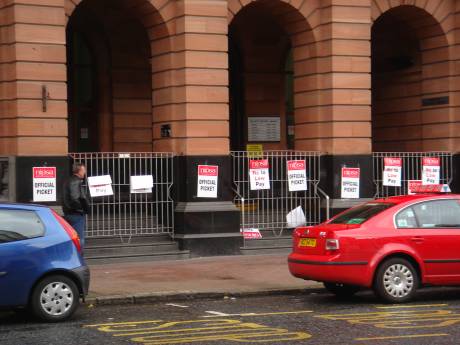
(75, 198)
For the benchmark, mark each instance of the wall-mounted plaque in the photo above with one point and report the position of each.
(267, 128)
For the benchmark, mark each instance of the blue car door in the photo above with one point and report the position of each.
(21, 240)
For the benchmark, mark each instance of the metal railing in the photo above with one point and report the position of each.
(266, 210)
(411, 170)
(124, 213)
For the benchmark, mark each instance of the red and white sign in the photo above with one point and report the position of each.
(297, 175)
(207, 181)
(350, 183)
(431, 170)
(44, 184)
(412, 186)
(251, 234)
(392, 171)
(100, 185)
(259, 175)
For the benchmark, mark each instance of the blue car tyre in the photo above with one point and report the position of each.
(55, 298)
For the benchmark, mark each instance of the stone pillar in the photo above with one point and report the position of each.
(204, 226)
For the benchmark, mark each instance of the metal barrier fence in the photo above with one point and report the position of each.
(411, 170)
(267, 210)
(125, 213)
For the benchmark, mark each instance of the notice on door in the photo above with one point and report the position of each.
(350, 183)
(100, 186)
(264, 128)
(259, 175)
(297, 175)
(207, 181)
(392, 172)
(431, 170)
(44, 184)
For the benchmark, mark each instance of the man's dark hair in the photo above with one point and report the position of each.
(76, 167)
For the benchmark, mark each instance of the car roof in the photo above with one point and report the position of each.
(399, 199)
(22, 206)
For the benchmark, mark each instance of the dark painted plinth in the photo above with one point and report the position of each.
(205, 226)
(23, 175)
(331, 169)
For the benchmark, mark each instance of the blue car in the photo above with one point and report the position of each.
(41, 266)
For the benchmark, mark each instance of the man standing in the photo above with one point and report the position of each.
(76, 203)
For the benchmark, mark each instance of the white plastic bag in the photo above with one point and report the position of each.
(296, 218)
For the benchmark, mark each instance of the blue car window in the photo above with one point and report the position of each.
(17, 225)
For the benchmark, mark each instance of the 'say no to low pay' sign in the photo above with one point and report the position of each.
(44, 184)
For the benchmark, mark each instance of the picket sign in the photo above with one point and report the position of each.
(392, 172)
(350, 183)
(259, 175)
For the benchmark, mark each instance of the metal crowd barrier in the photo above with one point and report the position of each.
(266, 210)
(411, 170)
(124, 213)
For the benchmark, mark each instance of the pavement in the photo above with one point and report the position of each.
(209, 277)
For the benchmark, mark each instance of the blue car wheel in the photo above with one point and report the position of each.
(55, 298)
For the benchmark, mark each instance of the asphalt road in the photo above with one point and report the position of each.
(314, 318)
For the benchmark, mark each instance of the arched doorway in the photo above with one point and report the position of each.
(410, 84)
(272, 64)
(109, 78)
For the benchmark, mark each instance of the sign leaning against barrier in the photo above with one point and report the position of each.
(128, 213)
(412, 170)
(266, 209)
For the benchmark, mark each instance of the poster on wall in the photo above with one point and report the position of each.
(44, 184)
(208, 176)
(264, 128)
(431, 170)
(297, 175)
(100, 185)
(350, 183)
(141, 184)
(259, 175)
(392, 171)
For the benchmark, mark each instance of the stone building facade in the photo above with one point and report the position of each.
(345, 77)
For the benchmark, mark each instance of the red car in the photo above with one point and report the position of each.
(393, 245)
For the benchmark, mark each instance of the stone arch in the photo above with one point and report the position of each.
(294, 26)
(410, 75)
(134, 115)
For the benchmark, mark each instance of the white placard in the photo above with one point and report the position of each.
(392, 172)
(267, 128)
(431, 170)
(297, 175)
(259, 175)
(208, 176)
(350, 183)
(296, 218)
(100, 185)
(44, 184)
(141, 184)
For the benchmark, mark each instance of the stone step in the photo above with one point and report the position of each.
(269, 242)
(265, 250)
(112, 240)
(107, 259)
(129, 249)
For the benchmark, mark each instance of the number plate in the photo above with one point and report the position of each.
(307, 242)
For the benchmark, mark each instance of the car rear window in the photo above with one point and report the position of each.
(359, 214)
(17, 225)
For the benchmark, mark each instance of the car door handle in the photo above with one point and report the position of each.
(417, 239)
(3, 274)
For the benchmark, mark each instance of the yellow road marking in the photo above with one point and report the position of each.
(205, 331)
(404, 336)
(262, 314)
(412, 306)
